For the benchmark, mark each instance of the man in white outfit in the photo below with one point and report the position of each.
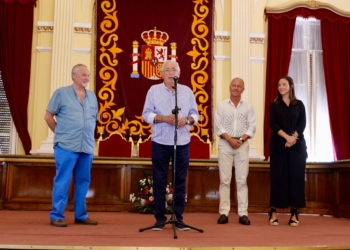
(235, 123)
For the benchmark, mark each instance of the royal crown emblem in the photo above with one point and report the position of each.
(154, 37)
(153, 54)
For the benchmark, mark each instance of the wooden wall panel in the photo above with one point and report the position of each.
(344, 187)
(107, 184)
(2, 183)
(26, 183)
(259, 189)
(203, 185)
(320, 186)
(202, 189)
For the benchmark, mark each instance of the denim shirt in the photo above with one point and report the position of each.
(75, 121)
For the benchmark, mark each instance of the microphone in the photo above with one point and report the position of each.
(175, 78)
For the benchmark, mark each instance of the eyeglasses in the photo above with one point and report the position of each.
(170, 70)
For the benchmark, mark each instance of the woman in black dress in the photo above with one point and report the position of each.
(288, 155)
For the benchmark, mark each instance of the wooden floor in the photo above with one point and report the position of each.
(120, 230)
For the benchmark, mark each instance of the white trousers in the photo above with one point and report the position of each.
(240, 158)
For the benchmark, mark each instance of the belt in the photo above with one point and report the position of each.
(232, 137)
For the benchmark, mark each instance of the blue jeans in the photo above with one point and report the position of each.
(161, 155)
(79, 164)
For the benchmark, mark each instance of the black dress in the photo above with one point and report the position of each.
(287, 165)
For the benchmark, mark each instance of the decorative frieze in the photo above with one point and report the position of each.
(45, 26)
(222, 36)
(83, 28)
(257, 38)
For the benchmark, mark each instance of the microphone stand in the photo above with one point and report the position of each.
(173, 219)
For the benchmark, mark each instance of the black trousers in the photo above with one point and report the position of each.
(161, 156)
(287, 177)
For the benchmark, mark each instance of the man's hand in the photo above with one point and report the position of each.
(170, 119)
(182, 121)
(235, 143)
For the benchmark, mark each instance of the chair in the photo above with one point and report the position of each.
(115, 146)
(199, 149)
(144, 148)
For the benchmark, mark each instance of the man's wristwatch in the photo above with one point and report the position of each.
(188, 121)
(241, 139)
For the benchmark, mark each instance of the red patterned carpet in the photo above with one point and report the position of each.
(119, 230)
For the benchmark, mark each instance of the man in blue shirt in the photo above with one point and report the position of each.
(75, 110)
(160, 101)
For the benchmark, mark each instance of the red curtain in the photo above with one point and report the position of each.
(335, 32)
(336, 60)
(279, 50)
(132, 40)
(16, 31)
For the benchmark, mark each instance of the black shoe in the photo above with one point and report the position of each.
(291, 222)
(158, 226)
(181, 226)
(223, 219)
(273, 222)
(244, 220)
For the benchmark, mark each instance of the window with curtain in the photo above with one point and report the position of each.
(5, 122)
(306, 69)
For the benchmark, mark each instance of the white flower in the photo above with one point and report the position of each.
(151, 190)
(143, 182)
(132, 197)
(143, 202)
(151, 198)
(169, 197)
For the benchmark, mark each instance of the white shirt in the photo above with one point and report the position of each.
(235, 121)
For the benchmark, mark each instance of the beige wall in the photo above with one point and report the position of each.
(227, 64)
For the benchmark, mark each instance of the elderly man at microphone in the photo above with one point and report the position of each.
(159, 110)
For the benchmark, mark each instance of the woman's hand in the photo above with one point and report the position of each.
(291, 139)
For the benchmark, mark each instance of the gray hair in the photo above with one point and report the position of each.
(76, 68)
(237, 78)
(177, 64)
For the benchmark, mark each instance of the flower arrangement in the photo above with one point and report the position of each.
(145, 200)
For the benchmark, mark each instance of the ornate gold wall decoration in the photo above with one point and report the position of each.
(45, 28)
(313, 3)
(82, 30)
(221, 38)
(199, 77)
(257, 40)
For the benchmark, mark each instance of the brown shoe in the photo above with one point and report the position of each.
(58, 223)
(87, 221)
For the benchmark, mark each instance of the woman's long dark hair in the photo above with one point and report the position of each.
(292, 97)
